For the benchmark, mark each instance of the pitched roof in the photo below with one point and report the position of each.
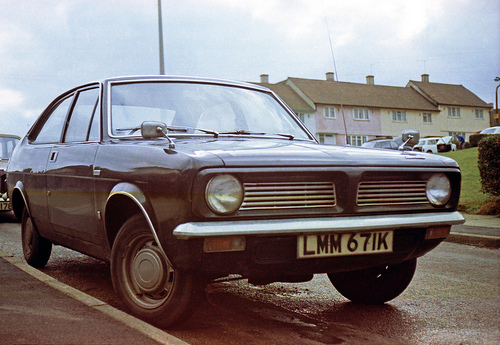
(290, 97)
(448, 94)
(362, 95)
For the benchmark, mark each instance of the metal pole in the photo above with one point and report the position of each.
(496, 96)
(160, 38)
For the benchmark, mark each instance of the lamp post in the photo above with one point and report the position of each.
(160, 38)
(496, 98)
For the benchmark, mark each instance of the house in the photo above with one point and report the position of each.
(460, 110)
(353, 113)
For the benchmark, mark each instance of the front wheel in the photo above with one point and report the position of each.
(146, 280)
(375, 285)
(36, 249)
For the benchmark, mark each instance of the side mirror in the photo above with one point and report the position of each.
(153, 129)
(410, 137)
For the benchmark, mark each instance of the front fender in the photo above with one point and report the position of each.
(131, 195)
(19, 199)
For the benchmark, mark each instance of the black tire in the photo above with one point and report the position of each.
(147, 283)
(36, 249)
(374, 285)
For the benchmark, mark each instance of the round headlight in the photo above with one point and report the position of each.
(224, 194)
(438, 189)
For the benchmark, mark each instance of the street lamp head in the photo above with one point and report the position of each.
(497, 79)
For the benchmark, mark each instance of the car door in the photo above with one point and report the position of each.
(69, 172)
(31, 170)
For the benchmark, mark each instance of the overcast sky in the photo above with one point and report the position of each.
(49, 46)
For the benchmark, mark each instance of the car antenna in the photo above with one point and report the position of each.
(336, 76)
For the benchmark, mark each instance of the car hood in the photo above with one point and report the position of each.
(281, 152)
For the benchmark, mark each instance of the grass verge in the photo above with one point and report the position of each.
(472, 198)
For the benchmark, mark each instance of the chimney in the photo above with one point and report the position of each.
(264, 78)
(425, 78)
(329, 76)
(370, 80)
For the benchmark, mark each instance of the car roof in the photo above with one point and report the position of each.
(174, 78)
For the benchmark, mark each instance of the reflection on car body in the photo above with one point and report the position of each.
(177, 181)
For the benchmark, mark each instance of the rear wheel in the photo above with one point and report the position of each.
(146, 280)
(36, 249)
(375, 285)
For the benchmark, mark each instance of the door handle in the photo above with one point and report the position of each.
(53, 156)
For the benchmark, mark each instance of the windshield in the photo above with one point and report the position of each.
(223, 109)
(7, 145)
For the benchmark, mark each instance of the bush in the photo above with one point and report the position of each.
(489, 164)
(474, 139)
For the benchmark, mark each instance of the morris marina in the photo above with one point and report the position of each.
(178, 181)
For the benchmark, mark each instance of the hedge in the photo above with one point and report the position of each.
(474, 139)
(489, 164)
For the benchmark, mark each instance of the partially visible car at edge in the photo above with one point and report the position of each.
(177, 181)
(491, 130)
(7, 144)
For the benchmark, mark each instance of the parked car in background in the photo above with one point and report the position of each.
(435, 144)
(382, 144)
(7, 144)
(387, 143)
(491, 130)
(447, 144)
(177, 181)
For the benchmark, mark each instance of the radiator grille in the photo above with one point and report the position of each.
(377, 193)
(288, 195)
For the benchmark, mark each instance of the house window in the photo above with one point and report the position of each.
(398, 116)
(454, 112)
(329, 112)
(302, 117)
(325, 139)
(479, 114)
(356, 140)
(361, 114)
(427, 117)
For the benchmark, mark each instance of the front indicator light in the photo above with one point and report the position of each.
(224, 194)
(438, 189)
(224, 244)
(434, 232)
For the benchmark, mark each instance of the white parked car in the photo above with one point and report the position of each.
(491, 130)
(436, 144)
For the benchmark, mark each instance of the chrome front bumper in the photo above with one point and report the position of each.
(315, 225)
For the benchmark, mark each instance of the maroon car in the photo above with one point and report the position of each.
(178, 181)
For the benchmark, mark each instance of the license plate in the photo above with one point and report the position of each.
(342, 244)
(5, 206)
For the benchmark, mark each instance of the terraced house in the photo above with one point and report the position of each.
(353, 113)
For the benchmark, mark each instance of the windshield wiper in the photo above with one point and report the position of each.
(244, 132)
(289, 136)
(185, 129)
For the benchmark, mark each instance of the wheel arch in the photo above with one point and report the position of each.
(19, 200)
(125, 201)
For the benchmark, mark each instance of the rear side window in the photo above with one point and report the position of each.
(51, 131)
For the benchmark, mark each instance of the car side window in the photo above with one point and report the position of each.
(80, 120)
(52, 128)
